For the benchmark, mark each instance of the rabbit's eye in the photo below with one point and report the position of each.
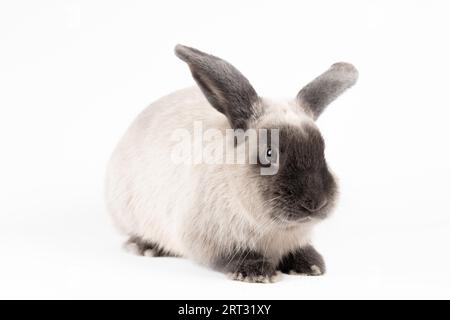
(268, 156)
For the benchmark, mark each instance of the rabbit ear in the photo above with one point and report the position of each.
(223, 85)
(320, 92)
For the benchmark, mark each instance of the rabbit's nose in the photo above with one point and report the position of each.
(314, 206)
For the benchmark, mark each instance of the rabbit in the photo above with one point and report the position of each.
(250, 226)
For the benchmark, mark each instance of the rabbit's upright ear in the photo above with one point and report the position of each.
(223, 85)
(320, 92)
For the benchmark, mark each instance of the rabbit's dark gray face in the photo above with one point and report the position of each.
(303, 186)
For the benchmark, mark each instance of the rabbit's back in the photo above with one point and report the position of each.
(143, 181)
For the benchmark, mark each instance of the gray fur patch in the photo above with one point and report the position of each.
(247, 265)
(320, 92)
(303, 187)
(304, 261)
(223, 85)
(148, 248)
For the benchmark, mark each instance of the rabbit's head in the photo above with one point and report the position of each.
(301, 187)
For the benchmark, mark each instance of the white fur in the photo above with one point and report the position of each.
(149, 253)
(131, 248)
(256, 279)
(195, 211)
(316, 270)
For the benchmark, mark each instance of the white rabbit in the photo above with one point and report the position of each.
(229, 216)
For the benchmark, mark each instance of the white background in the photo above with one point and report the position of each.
(73, 75)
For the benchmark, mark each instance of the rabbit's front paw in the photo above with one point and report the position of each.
(304, 261)
(255, 277)
(312, 270)
(248, 266)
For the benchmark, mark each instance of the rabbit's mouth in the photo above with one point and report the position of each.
(291, 216)
(288, 214)
(292, 222)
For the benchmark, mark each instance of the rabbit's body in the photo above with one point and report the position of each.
(146, 193)
(250, 217)
(195, 211)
